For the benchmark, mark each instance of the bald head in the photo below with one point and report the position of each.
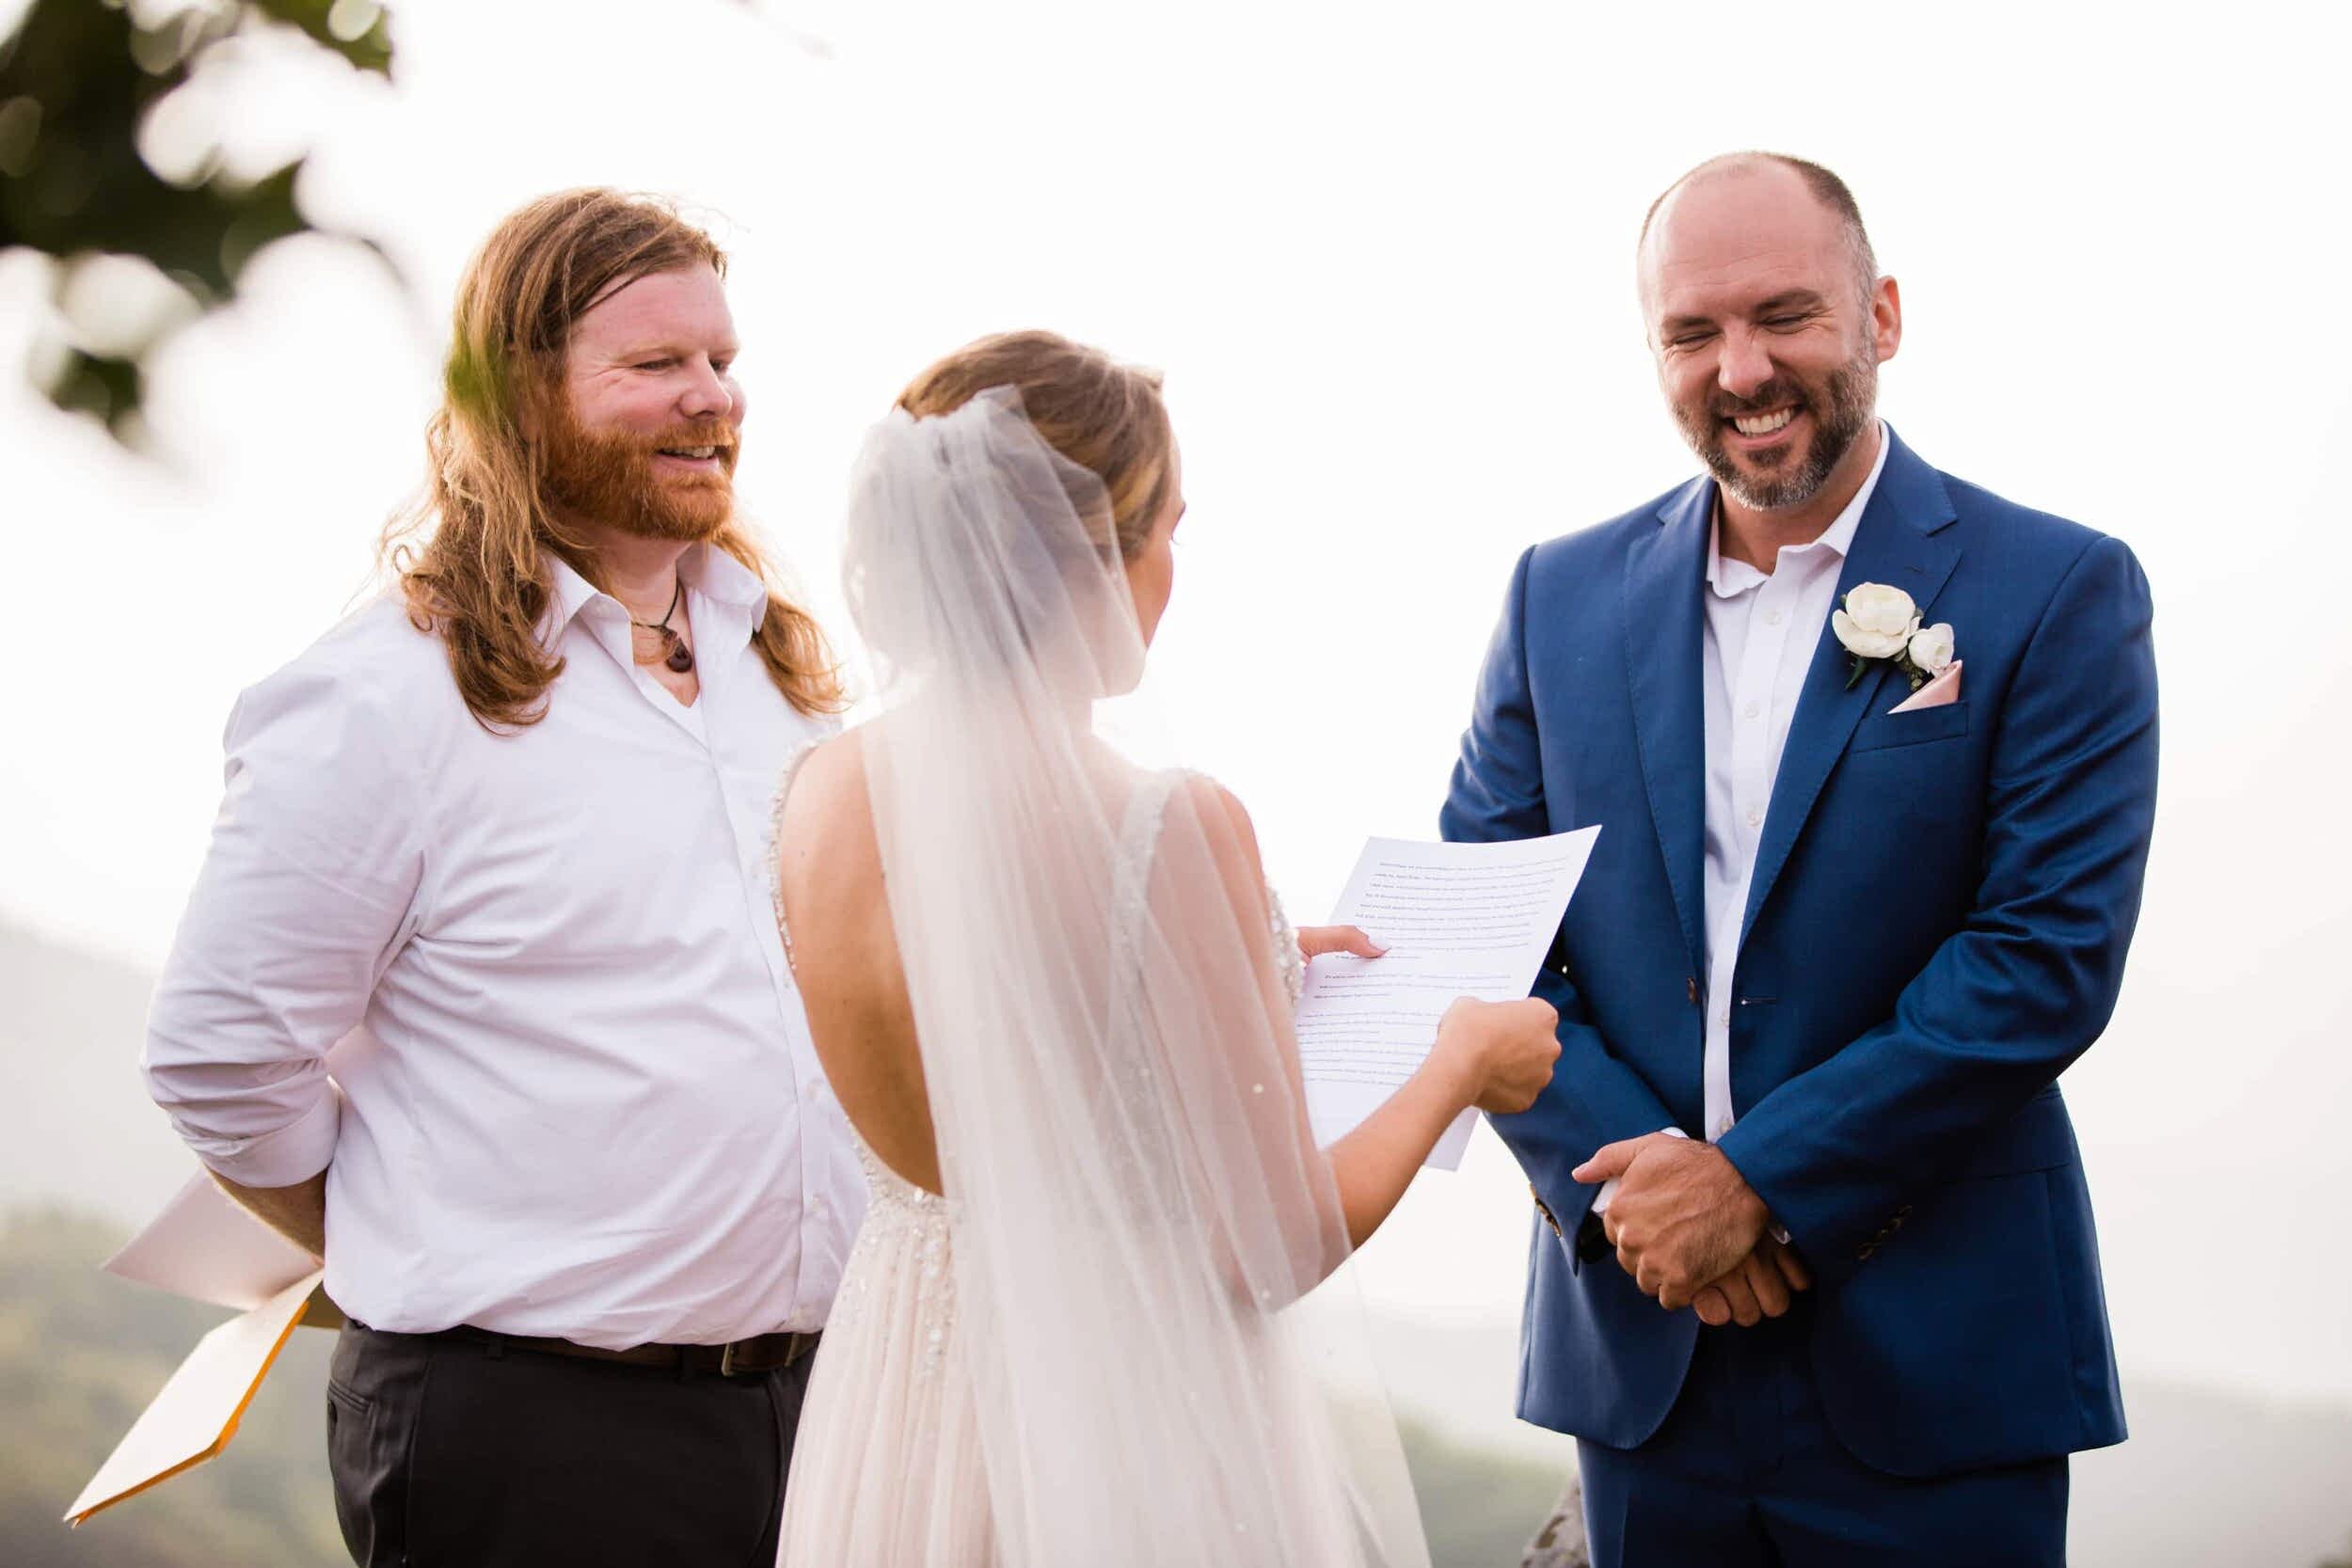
(1760, 192)
(1768, 322)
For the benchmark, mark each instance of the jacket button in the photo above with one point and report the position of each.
(1867, 1248)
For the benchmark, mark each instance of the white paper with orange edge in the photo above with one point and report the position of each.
(198, 1412)
(204, 1246)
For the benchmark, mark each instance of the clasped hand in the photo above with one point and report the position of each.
(1690, 1230)
(1686, 1224)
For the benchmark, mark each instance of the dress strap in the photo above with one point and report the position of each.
(775, 839)
(1145, 808)
(1139, 838)
(1139, 841)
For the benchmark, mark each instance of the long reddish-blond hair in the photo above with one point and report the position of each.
(472, 554)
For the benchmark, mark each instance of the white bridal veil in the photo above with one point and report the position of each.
(1138, 1203)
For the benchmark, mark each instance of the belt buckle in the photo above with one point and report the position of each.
(726, 1358)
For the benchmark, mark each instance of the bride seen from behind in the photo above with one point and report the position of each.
(1055, 987)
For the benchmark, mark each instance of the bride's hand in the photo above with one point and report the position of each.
(1504, 1050)
(1315, 940)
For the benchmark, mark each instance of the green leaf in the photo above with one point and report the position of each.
(76, 79)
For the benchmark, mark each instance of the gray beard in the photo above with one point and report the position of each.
(1852, 401)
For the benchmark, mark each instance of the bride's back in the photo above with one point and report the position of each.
(845, 948)
(1107, 1062)
(845, 956)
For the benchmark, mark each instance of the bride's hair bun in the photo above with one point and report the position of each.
(1102, 415)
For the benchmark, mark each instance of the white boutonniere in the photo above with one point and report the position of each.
(1881, 623)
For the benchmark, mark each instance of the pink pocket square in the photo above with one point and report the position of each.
(1936, 693)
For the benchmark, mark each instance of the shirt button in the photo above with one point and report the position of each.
(816, 1204)
(1756, 819)
(1752, 709)
(1772, 617)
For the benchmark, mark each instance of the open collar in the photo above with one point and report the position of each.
(1729, 579)
(705, 569)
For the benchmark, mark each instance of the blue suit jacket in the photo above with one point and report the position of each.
(1936, 928)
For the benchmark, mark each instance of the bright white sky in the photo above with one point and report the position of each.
(1384, 255)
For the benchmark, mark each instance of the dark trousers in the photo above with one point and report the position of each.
(457, 1453)
(1745, 1473)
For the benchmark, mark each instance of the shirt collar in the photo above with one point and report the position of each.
(716, 575)
(1730, 579)
(572, 591)
(705, 569)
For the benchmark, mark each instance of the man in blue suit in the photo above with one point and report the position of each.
(1840, 1300)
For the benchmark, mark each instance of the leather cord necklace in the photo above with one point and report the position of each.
(681, 658)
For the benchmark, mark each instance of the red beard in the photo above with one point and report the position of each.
(615, 478)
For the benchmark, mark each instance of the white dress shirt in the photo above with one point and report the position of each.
(1761, 636)
(1758, 646)
(578, 1094)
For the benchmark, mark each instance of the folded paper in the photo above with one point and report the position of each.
(205, 1246)
(198, 1412)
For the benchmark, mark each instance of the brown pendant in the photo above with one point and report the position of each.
(681, 658)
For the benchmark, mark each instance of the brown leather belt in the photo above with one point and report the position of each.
(766, 1352)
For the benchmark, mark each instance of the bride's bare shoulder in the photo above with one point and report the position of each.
(825, 825)
(834, 765)
(1220, 808)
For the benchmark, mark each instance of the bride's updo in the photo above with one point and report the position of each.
(1102, 415)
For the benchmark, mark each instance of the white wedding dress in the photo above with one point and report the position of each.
(887, 1466)
(1111, 1342)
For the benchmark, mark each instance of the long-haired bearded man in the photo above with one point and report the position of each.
(500, 840)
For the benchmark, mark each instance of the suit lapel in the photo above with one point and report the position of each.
(1666, 573)
(1899, 543)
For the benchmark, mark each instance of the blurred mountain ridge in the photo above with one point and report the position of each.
(72, 1022)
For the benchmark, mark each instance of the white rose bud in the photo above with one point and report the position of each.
(1932, 648)
(1877, 621)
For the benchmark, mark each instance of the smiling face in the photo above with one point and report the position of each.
(1767, 339)
(646, 436)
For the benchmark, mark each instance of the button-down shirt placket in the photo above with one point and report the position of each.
(752, 831)
(1755, 717)
(1760, 636)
